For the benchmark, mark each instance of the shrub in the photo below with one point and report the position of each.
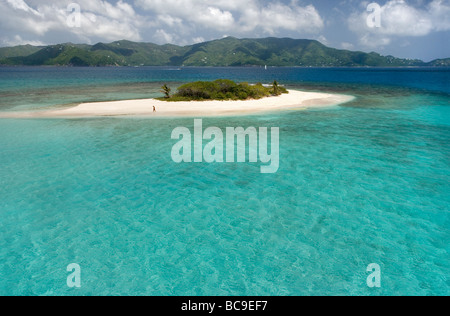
(223, 89)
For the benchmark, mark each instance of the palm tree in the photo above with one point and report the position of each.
(166, 90)
(276, 90)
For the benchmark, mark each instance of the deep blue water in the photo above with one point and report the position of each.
(22, 78)
(365, 182)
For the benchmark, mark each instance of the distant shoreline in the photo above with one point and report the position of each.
(270, 51)
(295, 100)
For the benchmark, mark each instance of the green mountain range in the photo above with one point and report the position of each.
(228, 51)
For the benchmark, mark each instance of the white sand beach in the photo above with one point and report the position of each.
(295, 100)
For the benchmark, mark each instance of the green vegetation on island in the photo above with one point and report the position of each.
(221, 89)
(227, 52)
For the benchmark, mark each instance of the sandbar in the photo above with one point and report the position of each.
(294, 100)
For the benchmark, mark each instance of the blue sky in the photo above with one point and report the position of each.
(403, 28)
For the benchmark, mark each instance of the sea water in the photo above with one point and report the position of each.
(365, 182)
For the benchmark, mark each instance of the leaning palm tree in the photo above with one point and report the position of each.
(166, 90)
(276, 90)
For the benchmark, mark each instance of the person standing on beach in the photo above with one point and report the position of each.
(154, 109)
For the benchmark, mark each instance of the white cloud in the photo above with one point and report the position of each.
(216, 18)
(400, 19)
(163, 36)
(197, 40)
(294, 18)
(323, 40)
(100, 20)
(170, 21)
(18, 40)
(347, 46)
(21, 5)
(440, 13)
(238, 17)
(373, 42)
(162, 21)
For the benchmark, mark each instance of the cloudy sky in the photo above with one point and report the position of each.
(403, 28)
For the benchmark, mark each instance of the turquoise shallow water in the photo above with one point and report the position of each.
(363, 183)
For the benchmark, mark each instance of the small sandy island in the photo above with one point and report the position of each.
(295, 100)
